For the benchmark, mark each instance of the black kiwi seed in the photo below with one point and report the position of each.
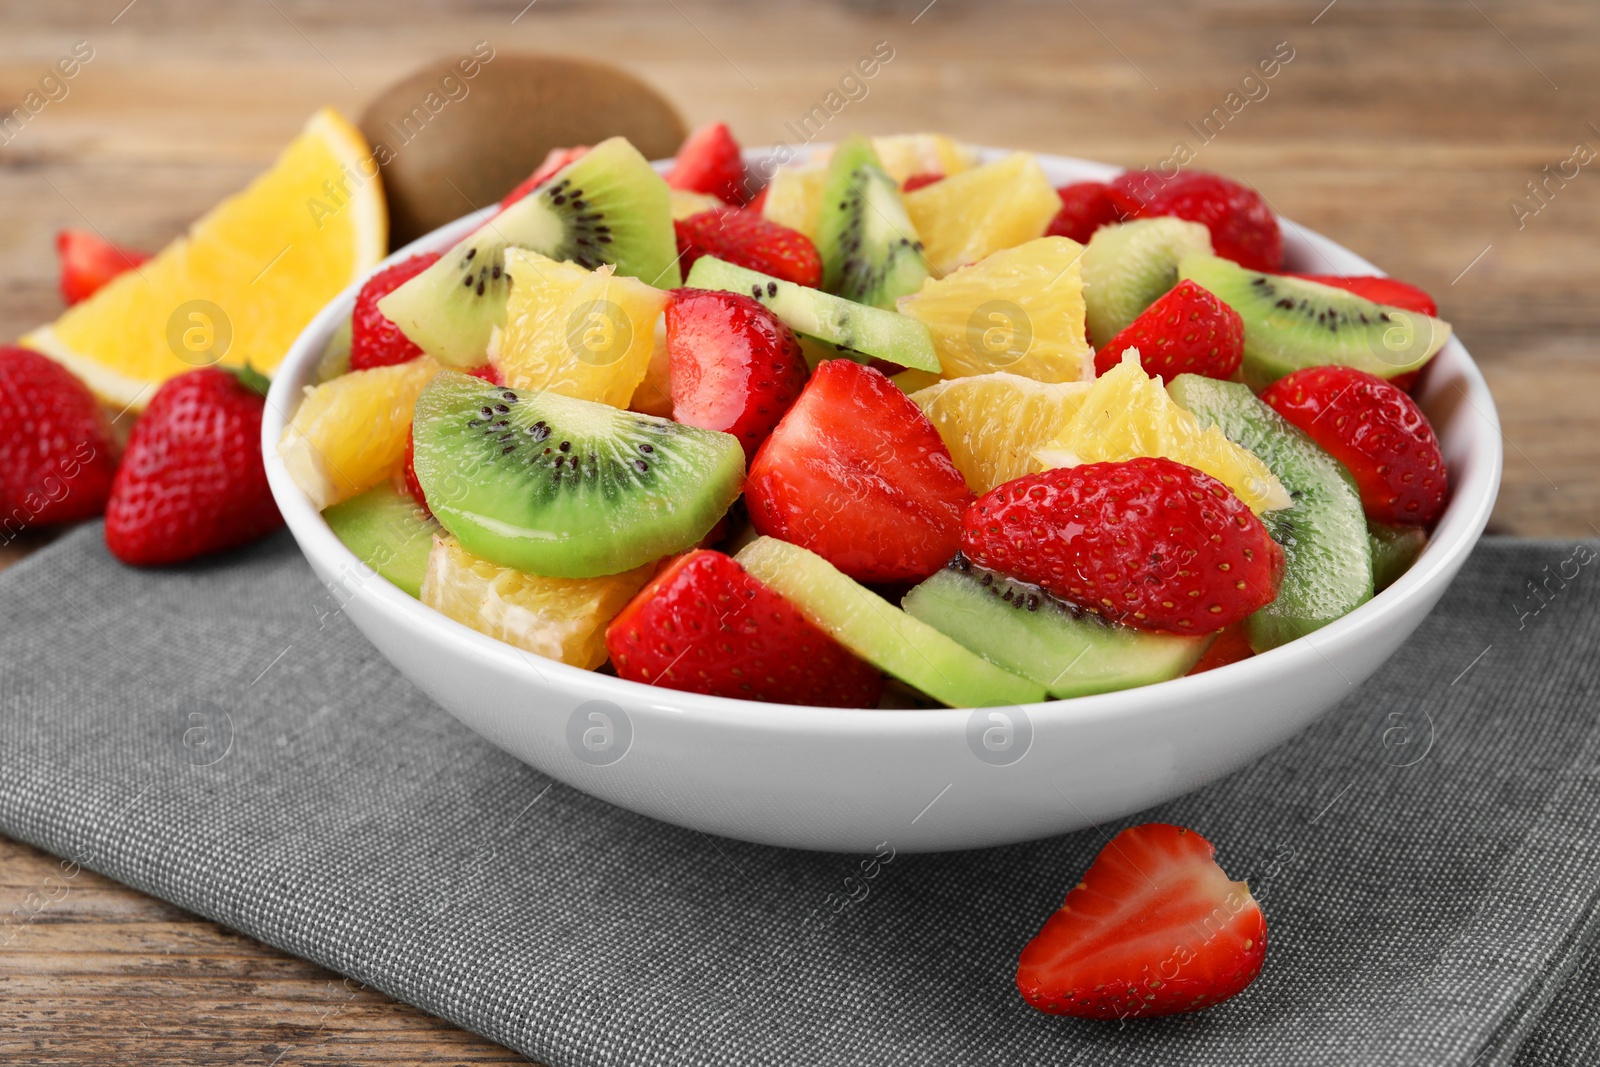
(501, 408)
(471, 252)
(755, 291)
(467, 281)
(772, 288)
(640, 465)
(486, 412)
(565, 446)
(646, 447)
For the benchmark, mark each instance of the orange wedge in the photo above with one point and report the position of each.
(243, 282)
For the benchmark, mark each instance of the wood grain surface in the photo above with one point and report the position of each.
(1405, 129)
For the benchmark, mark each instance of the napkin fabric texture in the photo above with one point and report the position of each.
(220, 736)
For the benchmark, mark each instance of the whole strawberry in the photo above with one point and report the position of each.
(1243, 228)
(745, 239)
(735, 366)
(56, 457)
(1189, 330)
(706, 625)
(1376, 431)
(1085, 207)
(192, 481)
(1148, 542)
(1153, 928)
(374, 340)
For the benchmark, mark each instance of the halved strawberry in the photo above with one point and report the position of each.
(1154, 928)
(1085, 207)
(374, 340)
(733, 365)
(759, 201)
(1232, 645)
(917, 181)
(856, 473)
(1243, 227)
(1189, 330)
(554, 160)
(705, 625)
(1391, 291)
(709, 162)
(746, 239)
(88, 261)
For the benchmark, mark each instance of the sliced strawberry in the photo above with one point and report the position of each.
(759, 201)
(1149, 542)
(733, 365)
(374, 340)
(917, 181)
(746, 239)
(1154, 928)
(1189, 330)
(1085, 207)
(709, 162)
(1391, 291)
(1231, 646)
(1243, 228)
(1376, 431)
(88, 261)
(705, 625)
(856, 473)
(554, 160)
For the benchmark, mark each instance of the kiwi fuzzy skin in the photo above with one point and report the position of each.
(481, 144)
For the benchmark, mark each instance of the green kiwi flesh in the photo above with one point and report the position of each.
(1128, 266)
(1291, 323)
(388, 531)
(1069, 651)
(880, 633)
(1394, 550)
(607, 207)
(550, 485)
(854, 331)
(870, 250)
(1323, 532)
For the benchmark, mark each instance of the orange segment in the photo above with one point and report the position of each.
(243, 282)
(350, 433)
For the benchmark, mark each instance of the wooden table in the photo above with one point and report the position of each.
(1404, 130)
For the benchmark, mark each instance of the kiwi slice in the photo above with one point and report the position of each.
(1069, 651)
(566, 488)
(847, 328)
(881, 633)
(1127, 267)
(1328, 559)
(1394, 550)
(870, 250)
(388, 531)
(1290, 323)
(610, 206)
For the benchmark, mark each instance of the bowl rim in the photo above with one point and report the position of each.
(1456, 533)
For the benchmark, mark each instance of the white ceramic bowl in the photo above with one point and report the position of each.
(923, 780)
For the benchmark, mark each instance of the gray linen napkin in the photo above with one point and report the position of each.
(220, 736)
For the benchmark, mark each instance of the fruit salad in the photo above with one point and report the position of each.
(897, 423)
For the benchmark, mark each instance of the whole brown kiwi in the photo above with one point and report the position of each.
(461, 133)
